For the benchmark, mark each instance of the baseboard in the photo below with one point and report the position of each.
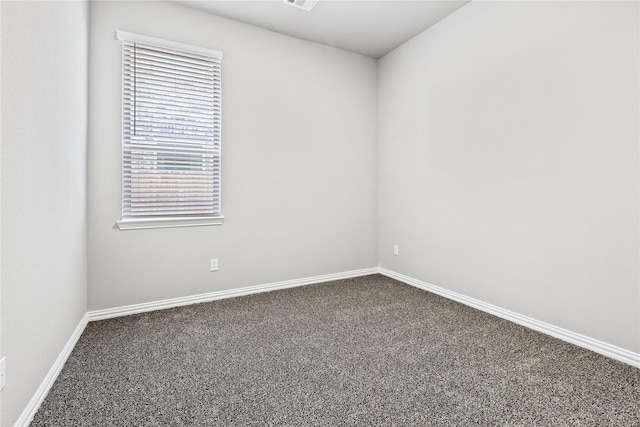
(29, 412)
(597, 346)
(27, 415)
(211, 296)
(592, 344)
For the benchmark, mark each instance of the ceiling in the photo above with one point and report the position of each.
(371, 28)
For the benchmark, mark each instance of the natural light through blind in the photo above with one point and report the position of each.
(171, 150)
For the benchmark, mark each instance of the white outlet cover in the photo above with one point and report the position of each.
(214, 264)
(3, 372)
(396, 250)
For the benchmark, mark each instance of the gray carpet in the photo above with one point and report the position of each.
(364, 351)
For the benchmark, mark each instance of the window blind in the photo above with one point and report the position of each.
(171, 150)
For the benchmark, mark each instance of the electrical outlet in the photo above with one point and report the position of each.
(214, 264)
(3, 372)
(396, 250)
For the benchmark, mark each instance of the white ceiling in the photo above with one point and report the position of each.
(372, 28)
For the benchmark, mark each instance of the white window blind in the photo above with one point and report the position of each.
(171, 149)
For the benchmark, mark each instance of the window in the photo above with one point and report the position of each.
(171, 134)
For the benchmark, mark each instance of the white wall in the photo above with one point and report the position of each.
(299, 163)
(1, 353)
(508, 137)
(44, 109)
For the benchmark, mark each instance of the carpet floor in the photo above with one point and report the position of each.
(362, 351)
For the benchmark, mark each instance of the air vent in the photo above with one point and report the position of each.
(302, 4)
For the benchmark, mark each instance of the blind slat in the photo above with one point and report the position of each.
(157, 55)
(155, 97)
(143, 72)
(169, 60)
(173, 53)
(173, 68)
(146, 86)
(198, 117)
(162, 146)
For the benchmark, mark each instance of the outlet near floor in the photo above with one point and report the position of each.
(3, 372)
(396, 250)
(214, 264)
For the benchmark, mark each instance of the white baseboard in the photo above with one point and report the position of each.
(29, 412)
(27, 415)
(211, 296)
(600, 347)
(592, 344)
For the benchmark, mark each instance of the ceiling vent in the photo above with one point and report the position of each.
(302, 4)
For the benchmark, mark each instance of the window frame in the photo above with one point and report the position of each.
(165, 221)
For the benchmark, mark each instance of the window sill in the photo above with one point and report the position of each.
(144, 223)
